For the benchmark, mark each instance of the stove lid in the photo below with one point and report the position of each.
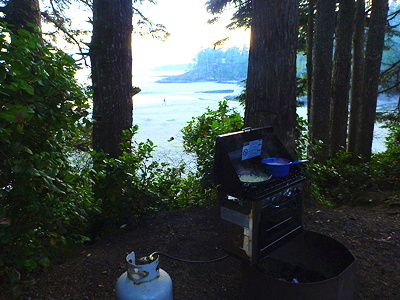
(237, 161)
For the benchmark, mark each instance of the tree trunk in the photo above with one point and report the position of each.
(322, 75)
(111, 58)
(357, 76)
(271, 79)
(310, 45)
(341, 77)
(21, 12)
(373, 59)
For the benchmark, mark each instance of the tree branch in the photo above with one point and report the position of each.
(61, 27)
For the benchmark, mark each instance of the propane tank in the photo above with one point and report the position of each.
(144, 280)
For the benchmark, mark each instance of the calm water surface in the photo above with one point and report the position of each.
(162, 109)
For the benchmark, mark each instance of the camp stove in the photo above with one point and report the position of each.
(259, 212)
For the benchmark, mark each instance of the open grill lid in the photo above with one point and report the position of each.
(237, 162)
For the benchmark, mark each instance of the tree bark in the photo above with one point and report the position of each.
(310, 45)
(373, 59)
(271, 79)
(111, 58)
(322, 75)
(341, 77)
(357, 76)
(20, 13)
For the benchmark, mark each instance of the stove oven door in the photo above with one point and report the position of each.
(280, 219)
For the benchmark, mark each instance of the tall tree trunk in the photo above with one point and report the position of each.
(310, 45)
(357, 76)
(20, 13)
(373, 59)
(271, 79)
(322, 75)
(341, 77)
(111, 58)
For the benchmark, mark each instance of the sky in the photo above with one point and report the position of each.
(186, 21)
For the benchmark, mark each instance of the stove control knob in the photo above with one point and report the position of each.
(296, 189)
(267, 201)
(270, 199)
(287, 193)
(275, 201)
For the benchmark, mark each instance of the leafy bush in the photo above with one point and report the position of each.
(200, 134)
(301, 136)
(135, 183)
(44, 200)
(341, 182)
(338, 181)
(122, 184)
(386, 165)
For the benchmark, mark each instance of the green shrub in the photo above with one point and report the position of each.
(134, 184)
(338, 181)
(386, 165)
(200, 134)
(301, 136)
(341, 182)
(44, 200)
(122, 184)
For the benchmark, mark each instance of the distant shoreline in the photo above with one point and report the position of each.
(193, 77)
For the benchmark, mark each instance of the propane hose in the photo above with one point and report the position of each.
(188, 260)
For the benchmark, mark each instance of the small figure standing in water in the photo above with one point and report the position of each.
(164, 102)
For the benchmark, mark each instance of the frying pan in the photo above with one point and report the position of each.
(254, 177)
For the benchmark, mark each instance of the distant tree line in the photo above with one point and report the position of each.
(215, 65)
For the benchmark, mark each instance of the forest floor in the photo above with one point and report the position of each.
(372, 234)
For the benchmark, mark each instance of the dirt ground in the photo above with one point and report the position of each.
(372, 234)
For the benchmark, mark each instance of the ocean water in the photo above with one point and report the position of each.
(162, 109)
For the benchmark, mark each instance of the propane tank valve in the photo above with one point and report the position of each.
(144, 280)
